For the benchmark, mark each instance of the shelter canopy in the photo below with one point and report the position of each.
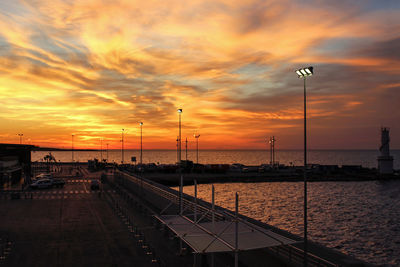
(207, 237)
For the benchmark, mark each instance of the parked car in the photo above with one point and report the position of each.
(41, 183)
(58, 182)
(95, 185)
(44, 176)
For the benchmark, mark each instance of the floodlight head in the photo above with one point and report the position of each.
(304, 72)
(180, 110)
(141, 123)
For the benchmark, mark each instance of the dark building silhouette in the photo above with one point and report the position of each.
(15, 164)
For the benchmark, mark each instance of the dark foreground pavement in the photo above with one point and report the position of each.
(72, 226)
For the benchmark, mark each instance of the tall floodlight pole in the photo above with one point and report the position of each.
(141, 142)
(72, 146)
(122, 146)
(177, 149)
(197, 147)
(303, 73)
(179, 138)
(20, 138)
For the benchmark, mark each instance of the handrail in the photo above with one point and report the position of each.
(291, 251)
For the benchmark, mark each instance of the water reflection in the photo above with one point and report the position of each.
(359, 218)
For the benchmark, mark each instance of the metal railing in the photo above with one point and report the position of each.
(289, 253)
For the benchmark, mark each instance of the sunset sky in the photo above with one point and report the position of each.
(93, 67)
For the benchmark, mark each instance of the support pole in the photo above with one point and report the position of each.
(122, 146)
(141, 144)
(180, 209)
(273, 150)
(186, 143)
(181, 195)
(195, 218)
(180, 141)
(213, 220)
(305, 176)
(72, 147)
(270, 151)
(237, 230)
(195, 201)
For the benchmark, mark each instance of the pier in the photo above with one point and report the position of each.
(135, 221)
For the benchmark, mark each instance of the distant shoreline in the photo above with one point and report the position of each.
(61, 149)
(138, 149)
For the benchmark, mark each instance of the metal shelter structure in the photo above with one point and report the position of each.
(209, 237)
(215, 232)
(191, 220)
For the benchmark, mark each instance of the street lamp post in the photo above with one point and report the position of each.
(122, 146)
(141, 143)
(179, 138)
(270, 151)
(273, 150)
(186, 143)
(197, 147)
(101, 149)
(107, 153)
(303, 73)
(20, 138)
(72, 146)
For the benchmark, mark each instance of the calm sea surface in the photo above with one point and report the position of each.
(358, 218)
(366, 158)
(361, 219)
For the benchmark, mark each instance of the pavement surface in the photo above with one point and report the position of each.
(71, 226)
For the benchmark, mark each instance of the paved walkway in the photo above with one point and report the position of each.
(65, 227)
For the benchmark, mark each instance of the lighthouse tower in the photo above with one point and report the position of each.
(385, 161)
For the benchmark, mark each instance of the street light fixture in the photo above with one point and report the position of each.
(304, 73)
(141, 143)
(179, 138)
(197, 147)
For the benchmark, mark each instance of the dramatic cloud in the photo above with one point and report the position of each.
(91, 68)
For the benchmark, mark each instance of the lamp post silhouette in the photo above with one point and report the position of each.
(179, 138)
(20, 138)
(272, 142)
(141, 143)
(107, 153)
(186, 143)
(197, 147)
(122, 146)
(72, 146)
(304, 73)
(101, 149)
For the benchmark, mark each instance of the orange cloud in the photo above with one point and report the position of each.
(95, 67)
